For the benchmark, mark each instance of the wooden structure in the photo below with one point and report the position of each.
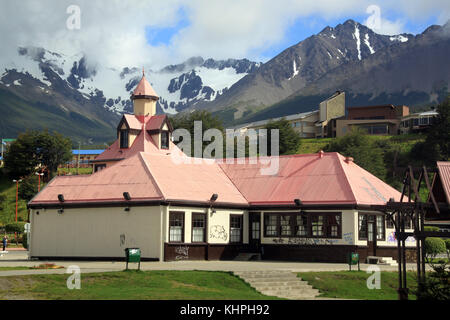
(415, 209)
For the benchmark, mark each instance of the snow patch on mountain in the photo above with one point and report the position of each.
(296, 71)
(358, 41)
(366, 41)
(398, 38)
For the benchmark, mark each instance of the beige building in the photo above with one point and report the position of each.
(149, 195)
(314, 124)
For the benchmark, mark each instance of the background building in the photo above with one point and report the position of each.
(319, 123)
(378, 120)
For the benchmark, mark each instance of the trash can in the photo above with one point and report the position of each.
(353, 259)
(133, 255)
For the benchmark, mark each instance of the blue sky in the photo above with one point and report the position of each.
(302, 27)
(155, 33)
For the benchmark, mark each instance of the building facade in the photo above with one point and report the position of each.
(376, 120)
(148, 194)
(319, 123)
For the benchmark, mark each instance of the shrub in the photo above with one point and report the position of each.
(15, 227)
(25, 240)
(430, 228)
(434, 246)
(447, 245)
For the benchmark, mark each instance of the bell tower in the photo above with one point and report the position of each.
(144, 98)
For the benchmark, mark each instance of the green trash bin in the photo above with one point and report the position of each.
(353, 259)
(133, 255)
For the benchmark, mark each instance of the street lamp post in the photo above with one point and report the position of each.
(17, 201)
(39, 185)
(17, 194)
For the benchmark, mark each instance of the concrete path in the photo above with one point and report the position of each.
(20, 259)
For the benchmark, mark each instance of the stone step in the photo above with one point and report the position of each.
(294, 294)
(266, 275)
(279, 283)
(283, 288)
(270, 279)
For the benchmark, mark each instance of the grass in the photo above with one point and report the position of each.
(353, 285)
(14, 268)
(73, 171)
(8, 207)
(133, 285)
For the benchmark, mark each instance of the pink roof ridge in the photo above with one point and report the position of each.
(444, 174)
(315, 180)
(144, 89)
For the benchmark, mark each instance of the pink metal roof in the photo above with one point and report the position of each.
(192, 181)
(315, 179)
(444, 174)
(144, 89)
(142, 143)
(310, 178)
(133, 121)
(130, 175)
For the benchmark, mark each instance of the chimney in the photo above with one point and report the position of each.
(348, 159)
(321, 154)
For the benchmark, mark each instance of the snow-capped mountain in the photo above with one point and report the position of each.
(44, 89)
(179, 86)
(400, 70)
(301, 64)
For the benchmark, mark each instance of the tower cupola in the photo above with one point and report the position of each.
(144, 98)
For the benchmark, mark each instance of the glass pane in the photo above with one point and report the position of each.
(198, 235)
(175, 234)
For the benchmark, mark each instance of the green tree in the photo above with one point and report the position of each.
(289, 139)
(437, 143)
(28, 187)
(439, 134)
(362, 149)
(37, 148)
(187, 121)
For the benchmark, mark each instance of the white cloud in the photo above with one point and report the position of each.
(113, 32)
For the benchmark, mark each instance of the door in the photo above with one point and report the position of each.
(372, 235)
(254, 231)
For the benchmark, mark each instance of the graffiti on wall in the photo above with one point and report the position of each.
(182, 253)
(218, 232)
(348, 237)
(391, 238)
(305, 241)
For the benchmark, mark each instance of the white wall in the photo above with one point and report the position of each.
(218, 224)
(96, 232)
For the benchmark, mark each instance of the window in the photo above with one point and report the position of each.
(176, 227)
(285, 222)
(235, 228)
(99, 167)
(165, 140)
(302, 225)
(123, 139)
(368, 224)
(333, 226)
(408, 222)
(380, 228)
(198, 227)
(270, 225)
(362, 227)
(325, 225)
(317, 226)
(389, 223)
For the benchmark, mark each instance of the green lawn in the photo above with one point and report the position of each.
(353, 284)
(154, 285)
